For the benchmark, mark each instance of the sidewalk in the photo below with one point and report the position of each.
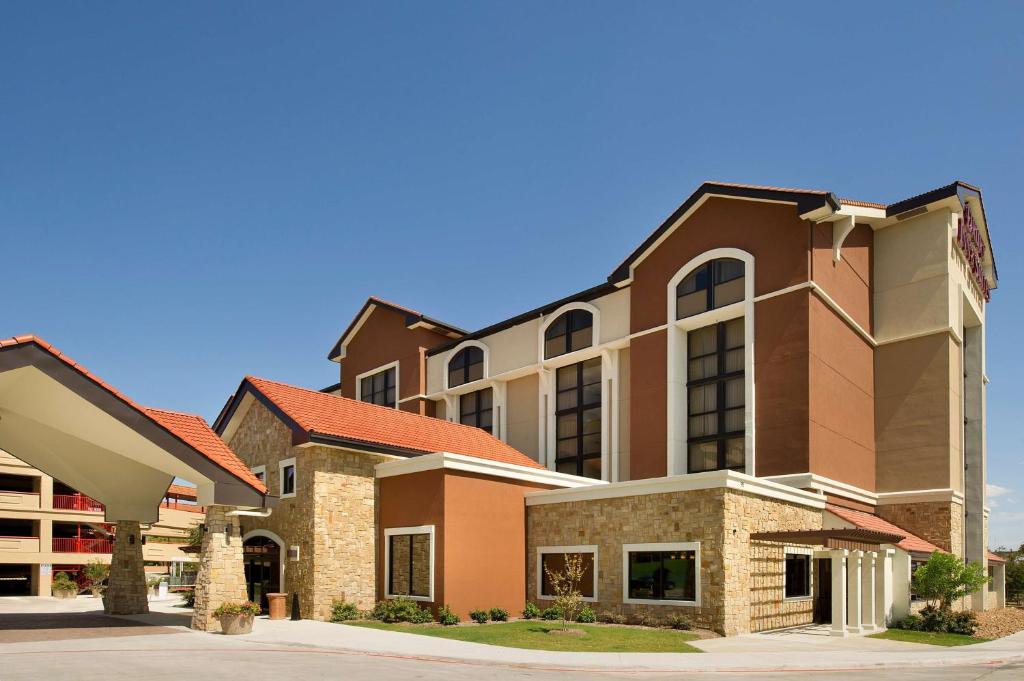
(757, 652)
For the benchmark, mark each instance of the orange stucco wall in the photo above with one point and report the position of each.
(480, 530)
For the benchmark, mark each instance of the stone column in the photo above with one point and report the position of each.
(126, 586)
(868, 591)
(221, 575)
(853, 621)
(838, 557)
(883, 588)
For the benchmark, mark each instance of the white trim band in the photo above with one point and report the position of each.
(921, 496)
(472, 464)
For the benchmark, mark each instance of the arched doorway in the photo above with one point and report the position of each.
(261, 555)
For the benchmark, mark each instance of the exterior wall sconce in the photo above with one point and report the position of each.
(131, 539)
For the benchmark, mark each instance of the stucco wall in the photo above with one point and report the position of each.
(522, 415)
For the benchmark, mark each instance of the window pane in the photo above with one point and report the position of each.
(798, 575)
(690, 284)
(467, 403)
(580, 319)
(702, 367)
(689, 305)
(409, 565)
(592, 444)
(556, 563)
(734, 393)
(380, 381)
(734, 333)
(420, 565)
(734, 453)
(485, 419)
(702, 341)
(566, 400)
(454, 377)
(475, 372)
(703, 399)
(592, 394)
(727, 269)
(734, 421)
(569, 447)
(699, 426)
(486, 397)
(729, 293)
(703, 456)
(581, 339)
(288, 480)
(566, 425)
(366, 390)
(398, 576)
(568, 466)
(556, 328)
(678, 576)
(554, 347)
(734, 360)
(389, 398)
(592, 421)
(592, 371)
(567, 377)
(592, 468)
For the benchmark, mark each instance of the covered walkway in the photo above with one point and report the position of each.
(60, 418)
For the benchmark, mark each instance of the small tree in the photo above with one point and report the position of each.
(566, 586)
(96, 572)
(1014, 573)
(944, 579)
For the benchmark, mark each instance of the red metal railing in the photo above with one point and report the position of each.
(76, 502)
(76, 545)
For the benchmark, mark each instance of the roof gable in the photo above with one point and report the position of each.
(910, 543)
(413, 319)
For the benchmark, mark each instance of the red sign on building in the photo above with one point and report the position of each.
(972, 245)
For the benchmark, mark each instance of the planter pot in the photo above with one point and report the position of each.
(65, 594)
(276, 606)
(236, 624)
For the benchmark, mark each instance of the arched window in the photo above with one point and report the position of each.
(572, 331)
(466, 366)
(712, 285)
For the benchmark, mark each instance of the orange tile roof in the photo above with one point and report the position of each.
(191, 429)
(869, 521)
(342, 417)
(182, 491)
(995, 558)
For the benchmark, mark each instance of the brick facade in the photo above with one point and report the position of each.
(939, 522)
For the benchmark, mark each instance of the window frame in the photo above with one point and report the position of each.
(478, 411)
(373, 372)
(569, 312)
(582, 548)
(578, 410)
(720, 379)
(809, 554)
(281, 465)
(709, 267)
(401, 531)
(467, 348)
(259, 471)
(661, 547)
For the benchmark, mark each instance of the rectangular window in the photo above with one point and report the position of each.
(477, 408)
(578, 419)
(410, 562)
(286, 468)
(661, 573)
(379, 388)
(716, 397)
(553, 558)
(798, 575)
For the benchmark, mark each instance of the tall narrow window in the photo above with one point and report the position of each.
(476, 409)
(379, 388)
(798, 575)
(712, 285)
(409, 565)
(716, 396)
(572, 331)
(466, 366)
(578, 419)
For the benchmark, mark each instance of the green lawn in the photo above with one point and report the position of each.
(930, 637)
(534, 634)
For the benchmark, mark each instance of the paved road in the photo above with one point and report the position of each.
(166, 661)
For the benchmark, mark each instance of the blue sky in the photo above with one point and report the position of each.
(190, 192)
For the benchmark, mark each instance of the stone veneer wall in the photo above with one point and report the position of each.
(126, 586)
(731, 576)
(940, 522)
(221, 575)
(330, 519)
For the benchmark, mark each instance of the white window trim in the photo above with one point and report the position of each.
(281, 465)
(459, 348)
(660, 546)
(256, 470)
(543, 550)
(595, 339)
(799, 551)
(677, 359)
(388, 533)
(371, 372)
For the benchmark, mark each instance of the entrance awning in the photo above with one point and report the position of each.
(60, 418)
(855, 539)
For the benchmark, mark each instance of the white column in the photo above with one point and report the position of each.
(1000, 584)
(838, 592)
(868, 592)
(853, 581)
(883, 588)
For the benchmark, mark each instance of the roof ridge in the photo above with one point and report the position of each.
(767, 187)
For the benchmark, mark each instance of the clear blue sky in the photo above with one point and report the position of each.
(190, 192)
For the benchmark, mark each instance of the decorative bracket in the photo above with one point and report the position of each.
(841, 229)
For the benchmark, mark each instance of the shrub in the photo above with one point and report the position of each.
(235, 608)
(908, 623)
(342, 611)
(61, 582)
(678, 622)
(189, 598)
(96, 573)
(945, 579)
(965, 623)
(446, 617)
(499, 615)
(611, 617)
(478, 616)
(941, 621)
(565, 584)
(552, 613)
(531, 611)
(401, 610)
(586, 615)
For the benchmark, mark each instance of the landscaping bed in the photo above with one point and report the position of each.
(999, 623)
(535, 634)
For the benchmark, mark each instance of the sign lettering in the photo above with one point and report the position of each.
(972, 245)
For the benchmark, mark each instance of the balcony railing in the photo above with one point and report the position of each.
(76, 545)
(76, 502)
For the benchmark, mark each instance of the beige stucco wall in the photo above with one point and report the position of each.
(624, 393)
(522, 415)
(740, 587)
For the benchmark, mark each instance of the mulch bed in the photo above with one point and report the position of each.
(999, 623)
